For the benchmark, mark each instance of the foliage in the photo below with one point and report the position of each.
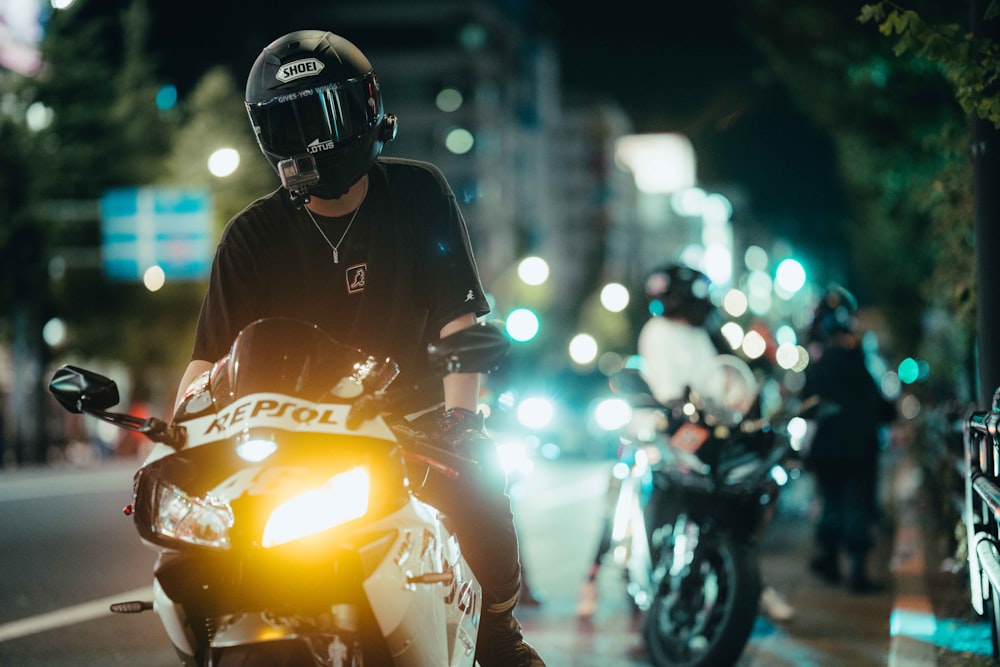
(970, 62)
(107, 131)
(79, 152)
(145, 133)
(17, 264)
(215, 117)
(895, 126)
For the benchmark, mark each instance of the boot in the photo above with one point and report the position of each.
(500, 642)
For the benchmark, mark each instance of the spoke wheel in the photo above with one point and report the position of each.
(705, 616)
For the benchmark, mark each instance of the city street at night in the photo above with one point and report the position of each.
(69, 551)
(748, 248)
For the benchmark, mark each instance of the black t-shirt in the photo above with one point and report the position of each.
(406, 268)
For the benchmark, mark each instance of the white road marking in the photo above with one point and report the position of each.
(80, 613)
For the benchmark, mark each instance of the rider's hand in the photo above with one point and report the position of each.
(462, 432)
(454, 421)
(447, 427)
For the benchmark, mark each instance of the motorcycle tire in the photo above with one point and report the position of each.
(710, 623)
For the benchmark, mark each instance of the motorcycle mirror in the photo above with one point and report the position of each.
(79, 390)
(477, 349)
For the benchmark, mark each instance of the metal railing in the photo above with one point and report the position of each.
(982, 512)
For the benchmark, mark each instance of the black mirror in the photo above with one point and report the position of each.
(79, 390)
(477, 349)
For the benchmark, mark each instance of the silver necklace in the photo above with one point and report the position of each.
(336, 248)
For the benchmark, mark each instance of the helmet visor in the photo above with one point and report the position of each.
(317, 119)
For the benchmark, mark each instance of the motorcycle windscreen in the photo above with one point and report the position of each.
(295, 358)
(727, 388)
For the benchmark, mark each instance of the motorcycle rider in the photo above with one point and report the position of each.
(844, 451)
(375, 251)
(674, 345)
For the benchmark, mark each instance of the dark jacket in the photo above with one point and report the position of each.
(851, 410)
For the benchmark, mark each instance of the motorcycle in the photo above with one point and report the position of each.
(282, 502)
(698, 483)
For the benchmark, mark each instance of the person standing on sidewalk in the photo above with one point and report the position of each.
(843, 455)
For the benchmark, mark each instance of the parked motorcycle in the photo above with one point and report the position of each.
(699, 482)
(282, 502)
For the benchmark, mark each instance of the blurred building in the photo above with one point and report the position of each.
(478, 94)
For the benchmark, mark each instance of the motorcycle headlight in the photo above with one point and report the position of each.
(343, 498)
(199, 521)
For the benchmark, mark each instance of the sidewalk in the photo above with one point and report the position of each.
(920, 617)
(932, 621)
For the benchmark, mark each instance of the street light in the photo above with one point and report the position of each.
(583, 349)
(789, 277)
(614, 297)
(660, 163)
(223, 162)
(522, 325)
(154, 278)
(533, 270)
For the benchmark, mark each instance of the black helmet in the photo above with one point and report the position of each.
(315, 106)
(835, 313)
(681, 292)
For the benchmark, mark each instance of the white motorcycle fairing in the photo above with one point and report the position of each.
(391, 576)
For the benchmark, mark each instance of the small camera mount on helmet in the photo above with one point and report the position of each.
(298, 174)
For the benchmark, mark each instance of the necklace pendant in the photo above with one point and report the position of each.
(336, 256)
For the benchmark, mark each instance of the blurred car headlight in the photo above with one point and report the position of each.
(343, 498)
(612, 414)
(200, 521)
(536, 412)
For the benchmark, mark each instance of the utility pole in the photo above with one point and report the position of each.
(986, 176)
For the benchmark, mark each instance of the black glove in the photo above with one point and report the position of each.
(461, 432)
(455, 421)
(447, 426)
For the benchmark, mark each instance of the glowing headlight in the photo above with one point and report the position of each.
(343, 498)
(612, 414)
(199, 521)
(256, 449)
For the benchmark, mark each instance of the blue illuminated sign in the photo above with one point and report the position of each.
(142, 228)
